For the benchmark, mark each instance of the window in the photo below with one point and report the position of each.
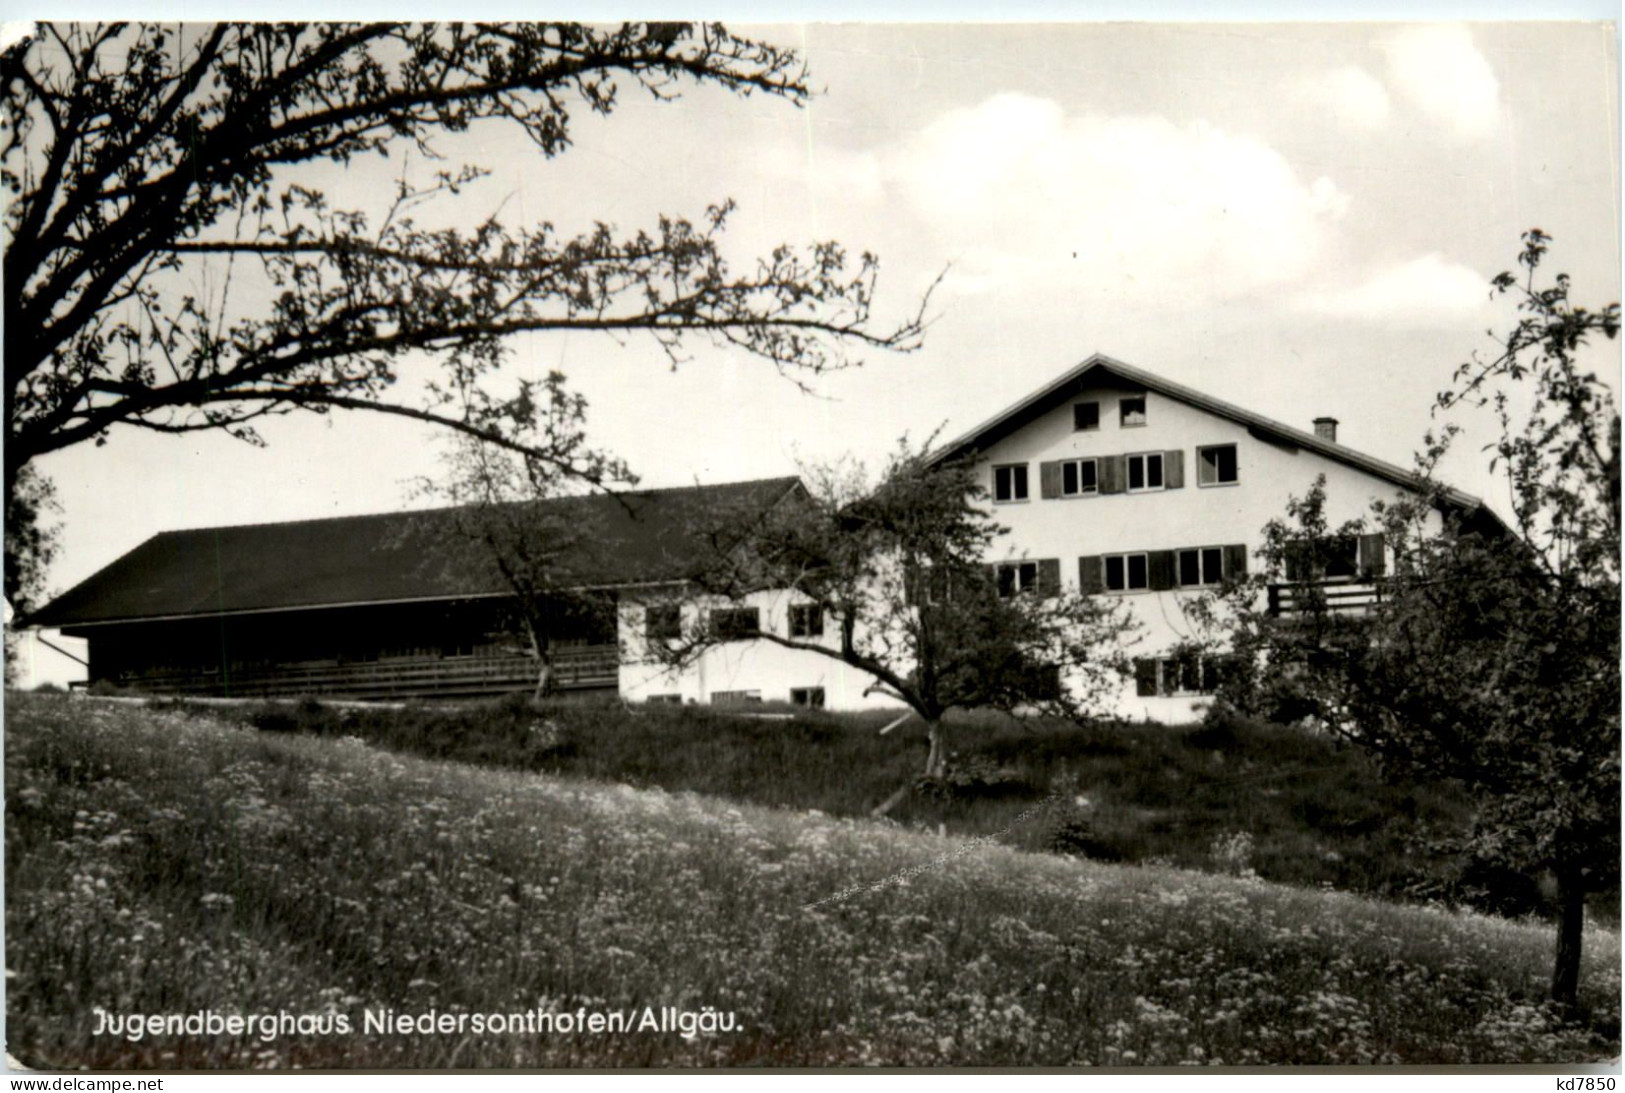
(736, 698)
(806, 620)
(733, 623)
(1187, 674)
(1085, 416)
(1131, 411)
(1016, 577)
(810, 697)
(664, 700)
(1216, 465)
(1127, 573)
(1329, 559)
(1145, 472)
(1010, 482)
(663, 622)
(1201, 565)
(1079, 477)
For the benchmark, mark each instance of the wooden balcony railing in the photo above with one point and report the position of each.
(588, 667)
(1343, 595)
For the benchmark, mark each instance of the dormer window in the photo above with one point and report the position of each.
(1131, 411)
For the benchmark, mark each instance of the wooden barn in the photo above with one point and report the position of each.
(395, 605)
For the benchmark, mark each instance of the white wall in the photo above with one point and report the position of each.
(1192, 516)
(1063, 528)
(761, 666)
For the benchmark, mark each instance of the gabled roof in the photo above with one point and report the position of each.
(1102, 371)
(644, 537)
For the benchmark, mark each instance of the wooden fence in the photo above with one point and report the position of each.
(590, 667)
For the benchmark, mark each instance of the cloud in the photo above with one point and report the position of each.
(1424, 291)
(1352, 94)
(1021, 191)
(1443, 73)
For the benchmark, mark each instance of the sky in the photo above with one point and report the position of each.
(1299, 218)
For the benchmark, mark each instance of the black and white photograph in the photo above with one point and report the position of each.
(659, 546)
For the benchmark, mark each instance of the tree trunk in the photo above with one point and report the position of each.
(1571, 900)
(544, 675)
(936, 761)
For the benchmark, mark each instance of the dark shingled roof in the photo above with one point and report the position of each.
(642, 537)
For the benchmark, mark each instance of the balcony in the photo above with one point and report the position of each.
(1342, 595)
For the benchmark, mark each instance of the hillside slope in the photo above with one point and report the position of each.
(163, 864)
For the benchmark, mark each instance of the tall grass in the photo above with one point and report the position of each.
(164, 863)
(1314, 813)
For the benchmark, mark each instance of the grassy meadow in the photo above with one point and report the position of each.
(1233, 795)
(162, 861)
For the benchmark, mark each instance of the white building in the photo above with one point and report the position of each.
(1131, 485)
(1110, 479)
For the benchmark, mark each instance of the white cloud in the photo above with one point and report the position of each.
(1440, 70)
(1421, 292)
(1015, 188)
(1352, 94)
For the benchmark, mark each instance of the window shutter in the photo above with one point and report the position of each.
(1113, 473)
(1091, 574)
(1145, 677)
(1235, 561)
(1372, 562)
(1173, 469)
(1160, 566)
(1049, 576)
(1049, 480)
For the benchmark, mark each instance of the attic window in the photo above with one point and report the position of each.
(1216, 465)
(1131, 411)
(1085, 416)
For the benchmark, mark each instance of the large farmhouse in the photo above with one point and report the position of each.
(1123, 483)
(1110, 479)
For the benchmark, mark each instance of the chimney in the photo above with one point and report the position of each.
(1326, 429)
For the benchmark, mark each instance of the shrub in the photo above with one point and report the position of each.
(975, 778)
(1076, 836)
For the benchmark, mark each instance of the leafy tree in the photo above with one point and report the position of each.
(174, 264)
(33, 537)
(1493, 657)
(512, 511)
(899, 572)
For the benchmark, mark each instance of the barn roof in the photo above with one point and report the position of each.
(641, 537)
(1101, 370)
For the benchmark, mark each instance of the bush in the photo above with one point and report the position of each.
(1076, 837)
(976, 778)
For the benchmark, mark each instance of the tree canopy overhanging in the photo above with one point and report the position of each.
(173, 264)
(1493, 656)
